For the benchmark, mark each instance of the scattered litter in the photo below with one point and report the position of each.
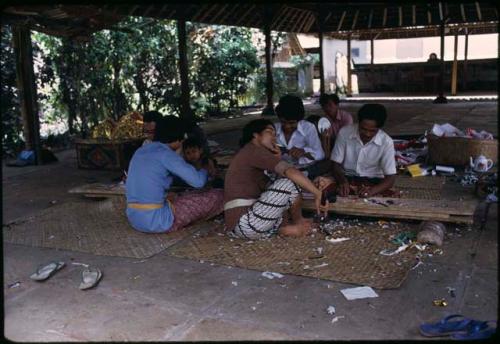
(283, 263)
(136, 277)
(234, 283)
(451, 291)
(253, 308)
(420, 247)
(440, 303)
(271, 275)
(51, 237)
(417, 265)
(358, 293)
(319, 250)
(14, 285)
(337, 318)
(330, 310)
(320, 265)
(391, 252)
(306, 267)
(81, 264)
(333, 241)
(438, 251)
(140, 261)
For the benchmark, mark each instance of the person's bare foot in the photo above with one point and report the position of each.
(295, 230)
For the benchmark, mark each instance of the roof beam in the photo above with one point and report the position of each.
(440, 11)
(299, 21)
(201, 13)
(414, 15)
(400, 9)
(370, 19)
(295, 19)
(214, 18)
(355, 19)
(341, 21)
(462, 11)
(245, 15)
(284, 17)
(384, 19)
(310, 23)
(478, 10)
(304, 21)
(429, 16)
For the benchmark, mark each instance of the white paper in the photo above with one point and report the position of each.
(271, 275)
(358, 293)
(333, 241)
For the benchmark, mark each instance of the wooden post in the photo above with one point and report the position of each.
(440, 99)
(21, 39)
(349, 83)
(269, 109)
(372, 51)
(321, 63)
(186, 111)
(454, 70)
(466, 51)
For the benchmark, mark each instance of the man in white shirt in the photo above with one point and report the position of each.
(297, 137)
(363, 152)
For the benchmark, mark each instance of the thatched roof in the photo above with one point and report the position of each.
(361, 19)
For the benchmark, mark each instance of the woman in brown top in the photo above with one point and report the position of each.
(254, 204)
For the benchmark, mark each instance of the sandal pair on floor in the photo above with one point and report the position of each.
(90, 276)
(460, 328)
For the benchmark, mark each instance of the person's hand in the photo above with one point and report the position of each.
(344, 189)
(296, 153)
(211, 169)
(365, 191)
(171, 196)
(322, 182)
(275, 149)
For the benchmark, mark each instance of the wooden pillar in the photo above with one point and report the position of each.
(466, 51)
(183, 69)
(372, 52)
(21, 39)
(455, 66)
(349, 81)
(441, 98)
(269, 109)
(321, 63)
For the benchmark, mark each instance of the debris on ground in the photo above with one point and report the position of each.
(234, 283)
(391, 252)
(14, 285)
(440, 303)
(451, 291)
(330, 310)
(358, 293)
(335, 240)
(272, 275)
(337, 318)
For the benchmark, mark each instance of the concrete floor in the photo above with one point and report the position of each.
(166, 298)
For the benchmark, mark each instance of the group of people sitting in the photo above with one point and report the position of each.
(262, 188)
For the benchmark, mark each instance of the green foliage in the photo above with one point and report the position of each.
(225, 60)
(9, 105)
(280, 88)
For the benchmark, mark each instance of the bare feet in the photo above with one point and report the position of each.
(300, 229)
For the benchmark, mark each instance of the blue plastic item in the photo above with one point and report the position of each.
(446, 327)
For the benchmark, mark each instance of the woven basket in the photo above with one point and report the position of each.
(456, 151)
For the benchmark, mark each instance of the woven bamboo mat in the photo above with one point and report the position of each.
(355, 261)
(100, 228)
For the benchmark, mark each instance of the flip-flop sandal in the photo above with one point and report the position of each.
(477, 332)
(445, 327)
(90, 278)
(44, 272)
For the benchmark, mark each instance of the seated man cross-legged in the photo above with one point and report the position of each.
(363, 156)
(150, 175)
(255, 206)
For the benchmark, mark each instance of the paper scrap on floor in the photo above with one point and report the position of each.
(358, 293)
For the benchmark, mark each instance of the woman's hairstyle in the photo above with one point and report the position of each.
(325, 98)
(254, 127)
(374, 112)
(192, 142)
(152, 116)
(169, 129)
(290, 108)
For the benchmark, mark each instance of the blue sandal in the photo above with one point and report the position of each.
(478, 331)
(445, 327)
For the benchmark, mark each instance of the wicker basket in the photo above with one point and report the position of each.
(456, 151)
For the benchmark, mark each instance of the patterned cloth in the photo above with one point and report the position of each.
(195, 206)
(264, 217)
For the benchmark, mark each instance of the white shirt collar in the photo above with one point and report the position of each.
(376, 140)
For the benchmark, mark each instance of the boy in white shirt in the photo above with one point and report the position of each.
(298, 137)
(363, 156)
